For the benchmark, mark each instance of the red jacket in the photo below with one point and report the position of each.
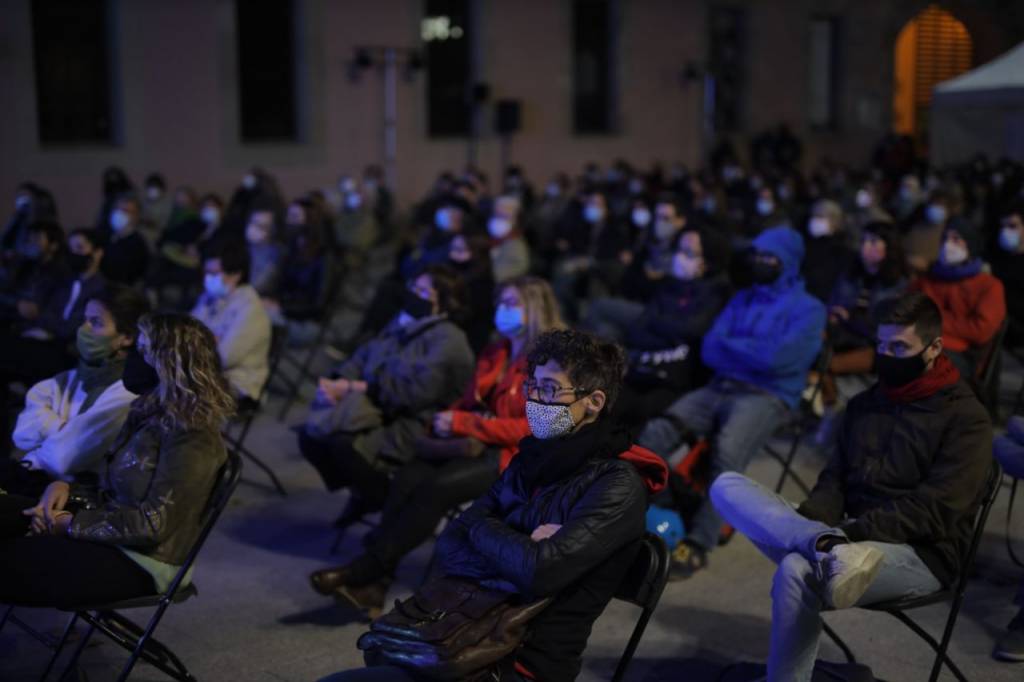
(493, 408)
(972, 308)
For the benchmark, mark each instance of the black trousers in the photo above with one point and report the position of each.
(635, 406)
(420, 495)
(58, 571)
(20, 480)
(340, 466)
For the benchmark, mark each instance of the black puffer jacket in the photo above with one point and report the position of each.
(910, 473)
(600, 506)
(153, 490)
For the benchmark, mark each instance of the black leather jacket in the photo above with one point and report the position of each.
(153, 489)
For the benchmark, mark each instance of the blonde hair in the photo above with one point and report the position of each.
(192, 391)
(542, 310)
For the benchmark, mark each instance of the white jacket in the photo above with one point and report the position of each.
(242, 328)
(59, 438)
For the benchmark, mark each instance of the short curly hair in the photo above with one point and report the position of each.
(591, 362)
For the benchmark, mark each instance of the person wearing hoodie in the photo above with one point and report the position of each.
(973, 302)
(70, 420)
(760, 349)
(472, 443)
(565, 519)
(893, 512)
(663, 343)
(232, 310)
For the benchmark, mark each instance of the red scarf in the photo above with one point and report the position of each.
(943, 373)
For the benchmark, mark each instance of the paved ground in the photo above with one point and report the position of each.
(256, 619)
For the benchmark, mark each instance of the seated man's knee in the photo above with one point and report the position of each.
(792, 577)
(725, 486)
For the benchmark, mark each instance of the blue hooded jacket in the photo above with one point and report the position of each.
(769, 335)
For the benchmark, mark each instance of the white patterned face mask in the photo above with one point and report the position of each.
(549, 420)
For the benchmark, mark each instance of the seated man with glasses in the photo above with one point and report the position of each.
(564, 518)
(892, 515)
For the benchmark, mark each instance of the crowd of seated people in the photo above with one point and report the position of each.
(711, 305)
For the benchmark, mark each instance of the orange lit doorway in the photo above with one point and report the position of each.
(932, 47)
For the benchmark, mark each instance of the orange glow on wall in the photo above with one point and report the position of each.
(932, 47)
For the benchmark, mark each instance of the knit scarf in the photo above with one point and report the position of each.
(942, 374)
(546, 461)
(95, 379)
(954, 273)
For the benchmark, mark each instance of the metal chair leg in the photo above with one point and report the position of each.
(266, 469)
(850, 658)
(60, 646)
(73, 663)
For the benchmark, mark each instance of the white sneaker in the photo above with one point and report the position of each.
(849, 569)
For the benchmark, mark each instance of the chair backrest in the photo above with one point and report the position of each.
(645, 580)
(223, 487)
(986, 374)
(995, 477)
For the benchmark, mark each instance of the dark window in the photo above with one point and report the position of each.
(445, 32)
(266, 70)
(72, 64)
(593, 106)
(726, 63)
(823, 62)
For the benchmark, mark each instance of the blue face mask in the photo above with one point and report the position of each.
(119, 220)
(215, 286)
(509, 321)
(443, 219)
(593, 213)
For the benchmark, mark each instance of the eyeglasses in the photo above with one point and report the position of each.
(548, 391)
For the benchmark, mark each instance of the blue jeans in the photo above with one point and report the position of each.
(789, 539)
(739, 421)
(612, 317)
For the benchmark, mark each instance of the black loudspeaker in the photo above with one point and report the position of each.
(507, 121)
(480, 92)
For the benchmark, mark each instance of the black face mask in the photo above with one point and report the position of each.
(79, 262)
(894, 372)
(765, 273)
(414, 306)
(139, 376)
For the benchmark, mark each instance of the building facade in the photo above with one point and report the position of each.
(673, 71)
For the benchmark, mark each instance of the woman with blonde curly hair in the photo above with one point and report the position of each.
(472, 442)
(128, 538)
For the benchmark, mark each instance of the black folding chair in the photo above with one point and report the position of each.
(642, 586)
(898, 607)
(237, 430)
(798, 425)
(301, 364)
(985, 381)
(138, 640)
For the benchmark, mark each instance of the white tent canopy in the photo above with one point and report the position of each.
(981, 111)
